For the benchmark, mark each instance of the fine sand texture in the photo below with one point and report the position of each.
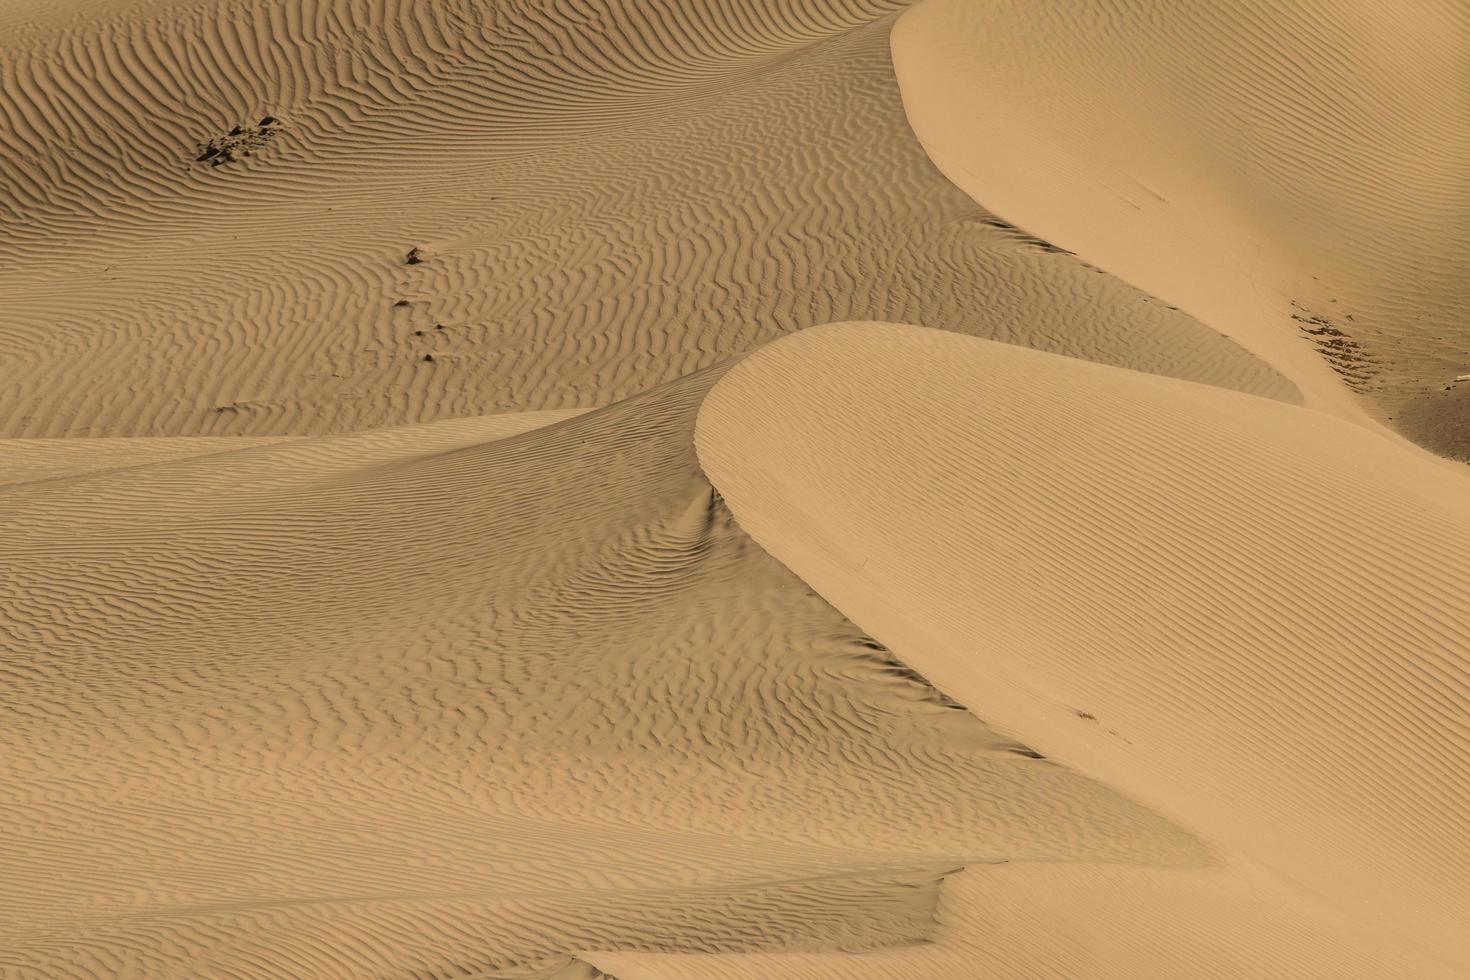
(1031, 921)
(464, 207)
(734, 489)
(446, 699)
(1251, 616)
(1292, 173)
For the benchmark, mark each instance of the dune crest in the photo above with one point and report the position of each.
(1290, 173)
(471, 695)
(466, 208)
(367, 610)
(1252, 616)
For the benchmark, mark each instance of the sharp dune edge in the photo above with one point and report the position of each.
(462, 517)
(604, 195)
(1252, 616)
(1290, 173)
(283, 711)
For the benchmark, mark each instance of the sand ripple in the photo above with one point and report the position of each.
(1252, 616)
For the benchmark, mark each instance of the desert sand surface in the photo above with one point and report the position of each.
(576, 489)
(1251, 616)
(285, 710)
(603, 196)
(1291, 173)
(1083, 920)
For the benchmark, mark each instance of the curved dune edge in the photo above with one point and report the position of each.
(1291, 174)
(600, 196)
(462, 699)
(34, 460)
(1034, 921)
(1253, 617)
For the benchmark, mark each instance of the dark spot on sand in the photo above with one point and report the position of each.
(240, 141)
(1342, 353)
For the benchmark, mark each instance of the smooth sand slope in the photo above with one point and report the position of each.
(604, 196)
(33, 460)
(365, 611)
(444, 699)
(1251, 616)
(1292, 172)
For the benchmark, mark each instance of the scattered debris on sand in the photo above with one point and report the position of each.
(240, 141)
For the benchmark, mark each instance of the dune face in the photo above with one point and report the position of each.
(596, 198)
(1100, 921)
(636, 489)
(33, 460)
(1251, 616)
(474, 695)
(1292, 173)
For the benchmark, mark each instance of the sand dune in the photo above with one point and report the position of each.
(31, 460)
(34, 460)
(604, 196)
(367, 609)
(1075, 920)
(1251, 616)
(1292, 173)
(449, 697)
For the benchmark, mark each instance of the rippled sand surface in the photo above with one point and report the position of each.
(707, 489)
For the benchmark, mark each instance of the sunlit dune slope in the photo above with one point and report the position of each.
(1292, 173)
(1251, 616)
(455, 207)
(1102, 922)
(32, 460)
(402, 575)
(470, 696)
